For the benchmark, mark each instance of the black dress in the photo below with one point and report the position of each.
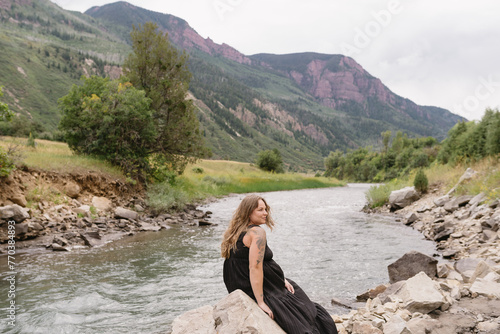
(295, 313)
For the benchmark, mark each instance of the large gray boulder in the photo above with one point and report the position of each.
(411, 264)
(401, 198)
(125, 213)
(14, 212)
(420, 294)
(102, 203)
(236, 313)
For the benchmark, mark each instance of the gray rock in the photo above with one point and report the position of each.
(57, 247)
(486, 288)
(399, 199)
(411, 264)
(91, 239)
(466, 267)
(14, 212)
(478, 199)
(443, 235)
(420, 294)
(197, 321)
(236, 313)
(21, 229)
(395, 325)
(125, 213)
(411, 218)
(442, 200)
(365, 327)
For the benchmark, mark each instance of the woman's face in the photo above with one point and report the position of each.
(259, 215)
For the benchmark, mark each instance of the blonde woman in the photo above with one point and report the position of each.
(249, 266)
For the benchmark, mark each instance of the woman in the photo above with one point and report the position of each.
(249, 266)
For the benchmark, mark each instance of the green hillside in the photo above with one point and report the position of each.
(243, 108)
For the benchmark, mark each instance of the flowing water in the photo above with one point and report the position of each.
(141, 283)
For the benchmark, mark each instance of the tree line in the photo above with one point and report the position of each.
(466, 142)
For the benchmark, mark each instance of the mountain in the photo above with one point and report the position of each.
(304, 104)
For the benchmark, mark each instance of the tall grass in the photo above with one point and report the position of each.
(486, 180)
(55, 156)
(211, 178)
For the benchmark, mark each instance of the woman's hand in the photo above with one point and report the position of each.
(289, 287)
(266, 309)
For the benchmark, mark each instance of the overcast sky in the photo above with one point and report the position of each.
(443, 53)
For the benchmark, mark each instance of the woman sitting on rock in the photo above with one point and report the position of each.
(249, 266)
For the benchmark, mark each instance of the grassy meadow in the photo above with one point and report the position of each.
(206, 178)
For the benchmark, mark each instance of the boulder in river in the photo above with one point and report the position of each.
(411, 264)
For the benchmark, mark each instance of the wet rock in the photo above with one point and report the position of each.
(57, 247)
(91, 239)
(411, 264)
(204, 222)
(443, 235)
(21, 229)
(125, 213)
(399, 199)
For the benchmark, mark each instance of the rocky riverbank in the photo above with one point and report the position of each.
(461, 293)
(455, 291)
(92, 211)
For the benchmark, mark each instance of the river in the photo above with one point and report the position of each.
(141, 283)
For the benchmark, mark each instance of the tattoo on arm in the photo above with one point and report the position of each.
(261, 245)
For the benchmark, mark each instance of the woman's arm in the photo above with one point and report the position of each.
(257, 240)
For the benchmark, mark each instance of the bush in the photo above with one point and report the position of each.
(270, 160)
(6, 164)
(421, 182)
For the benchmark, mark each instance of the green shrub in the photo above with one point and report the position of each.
(198, 170)
(6, 164)
(270, 160)
(421, 182)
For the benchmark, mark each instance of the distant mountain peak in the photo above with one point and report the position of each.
(179, 31)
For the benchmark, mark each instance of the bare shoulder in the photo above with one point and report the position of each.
(254, 234)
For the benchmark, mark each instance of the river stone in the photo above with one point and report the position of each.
(486, 288)
(125, 213)
(399, 199)
(419, 294)
(238, 313)
(365, 327)
(466, 267)
(197, 321)
(372, 293)
(395, 325)
(411, 218)
(411, 264)
(14, 212)
(101, 203)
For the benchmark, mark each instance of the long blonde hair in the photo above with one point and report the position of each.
(240, 222)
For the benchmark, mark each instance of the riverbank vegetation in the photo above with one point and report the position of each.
(204, 179)
(474, 144)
